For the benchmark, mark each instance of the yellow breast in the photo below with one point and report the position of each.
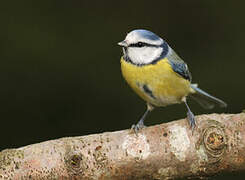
(156, 83)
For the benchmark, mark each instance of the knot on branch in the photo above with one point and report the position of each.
(214, 140)
(75, 163)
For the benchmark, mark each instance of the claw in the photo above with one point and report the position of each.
(140, 125)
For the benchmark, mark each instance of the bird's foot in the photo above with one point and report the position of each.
(191, 118)
(140, 125)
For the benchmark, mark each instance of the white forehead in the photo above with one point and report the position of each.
(141, 35)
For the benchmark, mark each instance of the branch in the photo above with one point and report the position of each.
(165, 151)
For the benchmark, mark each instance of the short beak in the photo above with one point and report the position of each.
(123, 44)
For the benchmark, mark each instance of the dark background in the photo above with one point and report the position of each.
(60, 70)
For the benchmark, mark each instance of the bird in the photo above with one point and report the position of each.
(159, 76)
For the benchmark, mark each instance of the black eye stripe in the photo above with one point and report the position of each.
(139, 44)
(142, 44)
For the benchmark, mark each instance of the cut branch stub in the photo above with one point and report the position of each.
(75, 163)
(214, 140)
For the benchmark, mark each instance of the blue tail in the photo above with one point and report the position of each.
(206, 100)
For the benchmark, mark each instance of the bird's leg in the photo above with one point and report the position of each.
(140, 123)
(190, 116)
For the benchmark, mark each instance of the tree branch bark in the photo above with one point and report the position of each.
(165, 151)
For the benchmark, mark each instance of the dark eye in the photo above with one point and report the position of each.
(140, 44)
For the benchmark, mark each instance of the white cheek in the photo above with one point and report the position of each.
(144, 55)
(136, 55)
(148, 54)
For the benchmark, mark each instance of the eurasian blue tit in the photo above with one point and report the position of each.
(159, 76)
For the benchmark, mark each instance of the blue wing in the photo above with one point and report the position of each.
(179, 66)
